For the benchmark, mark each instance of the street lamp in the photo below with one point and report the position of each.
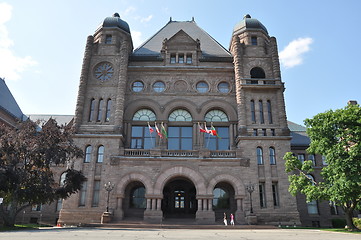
(108, 187)
(250, 189)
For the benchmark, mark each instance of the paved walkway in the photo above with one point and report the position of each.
(183, 234)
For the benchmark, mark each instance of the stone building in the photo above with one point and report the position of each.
(181, 127)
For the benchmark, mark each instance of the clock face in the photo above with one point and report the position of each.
(103, 71)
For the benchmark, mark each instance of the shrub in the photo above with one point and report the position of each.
(338, 223)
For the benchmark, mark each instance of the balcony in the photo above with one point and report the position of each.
(204, 153)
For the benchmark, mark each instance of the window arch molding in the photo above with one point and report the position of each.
(216, 115)
(257, 72)
(218, 105)
(142, 103)
(180, 104)
(144, 114)
(180, 115)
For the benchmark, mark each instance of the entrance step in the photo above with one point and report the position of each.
(174, 224)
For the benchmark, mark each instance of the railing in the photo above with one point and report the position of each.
(260, 81)
(223, 154)
(180, 153)
(137, 152)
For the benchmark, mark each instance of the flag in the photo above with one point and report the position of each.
(207, 130)
(151, 130)
(214, 132)
(157, 130)
(201, 129)
(164, 132)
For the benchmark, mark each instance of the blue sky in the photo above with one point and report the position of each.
(42, 45)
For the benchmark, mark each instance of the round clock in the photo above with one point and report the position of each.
(103, 71)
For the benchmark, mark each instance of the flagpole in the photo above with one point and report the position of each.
(150, 133)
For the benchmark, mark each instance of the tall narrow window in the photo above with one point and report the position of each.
(312, 207)
(311, 157)
(262, 195)
(100, 156)
(91, 110)
(82, 195)
(253, 112)
(276, 201)
(272, 156)
(100, 110)
(96, 193)
(301, 157)
(189, 58)
(181, 58)
(88, 154)
(269, 110)
(109, 106)
(261, 115)
(254, 40)
(172, 58)
(108, 39)
(259, 156)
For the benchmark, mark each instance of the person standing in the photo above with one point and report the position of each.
(231, 219)
(225, 219)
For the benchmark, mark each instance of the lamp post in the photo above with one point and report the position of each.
(250, 189)
(108, 187)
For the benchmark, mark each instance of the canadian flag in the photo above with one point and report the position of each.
(151, 130)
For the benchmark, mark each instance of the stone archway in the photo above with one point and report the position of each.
(179, 198)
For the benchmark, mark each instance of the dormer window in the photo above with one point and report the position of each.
(254, 40)
(181, 58)
(108, 39)
(189, 58)
(173, 58)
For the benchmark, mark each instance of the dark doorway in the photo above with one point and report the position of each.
(179, 199)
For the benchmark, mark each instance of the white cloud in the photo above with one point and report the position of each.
(10, 65)
(292, 54)
(147, 19)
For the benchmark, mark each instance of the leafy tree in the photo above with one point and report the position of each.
(337, 136)
(27, 154)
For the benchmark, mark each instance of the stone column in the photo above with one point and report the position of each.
(80, 103)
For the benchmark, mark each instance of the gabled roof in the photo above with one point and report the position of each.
(209, 46)
(8, 102)
(60, 119)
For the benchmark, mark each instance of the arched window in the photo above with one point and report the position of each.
(100, 110)
(216, 116)
(100, 157)
(144, 115)
(180, 137)
(220, 199)
(259, 156)
(257, 72)
(88, 154)
(91, 110)
(107, 114)
(180, 115)
(272, 156)
(137, 198)
(312, 207)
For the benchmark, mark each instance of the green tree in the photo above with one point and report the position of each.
(27, 154)
(337, 136)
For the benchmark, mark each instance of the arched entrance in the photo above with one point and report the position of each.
(179, 199)
(223, 200)
(134, 202)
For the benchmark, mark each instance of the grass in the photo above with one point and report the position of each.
(19, 227)
(323, 229)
